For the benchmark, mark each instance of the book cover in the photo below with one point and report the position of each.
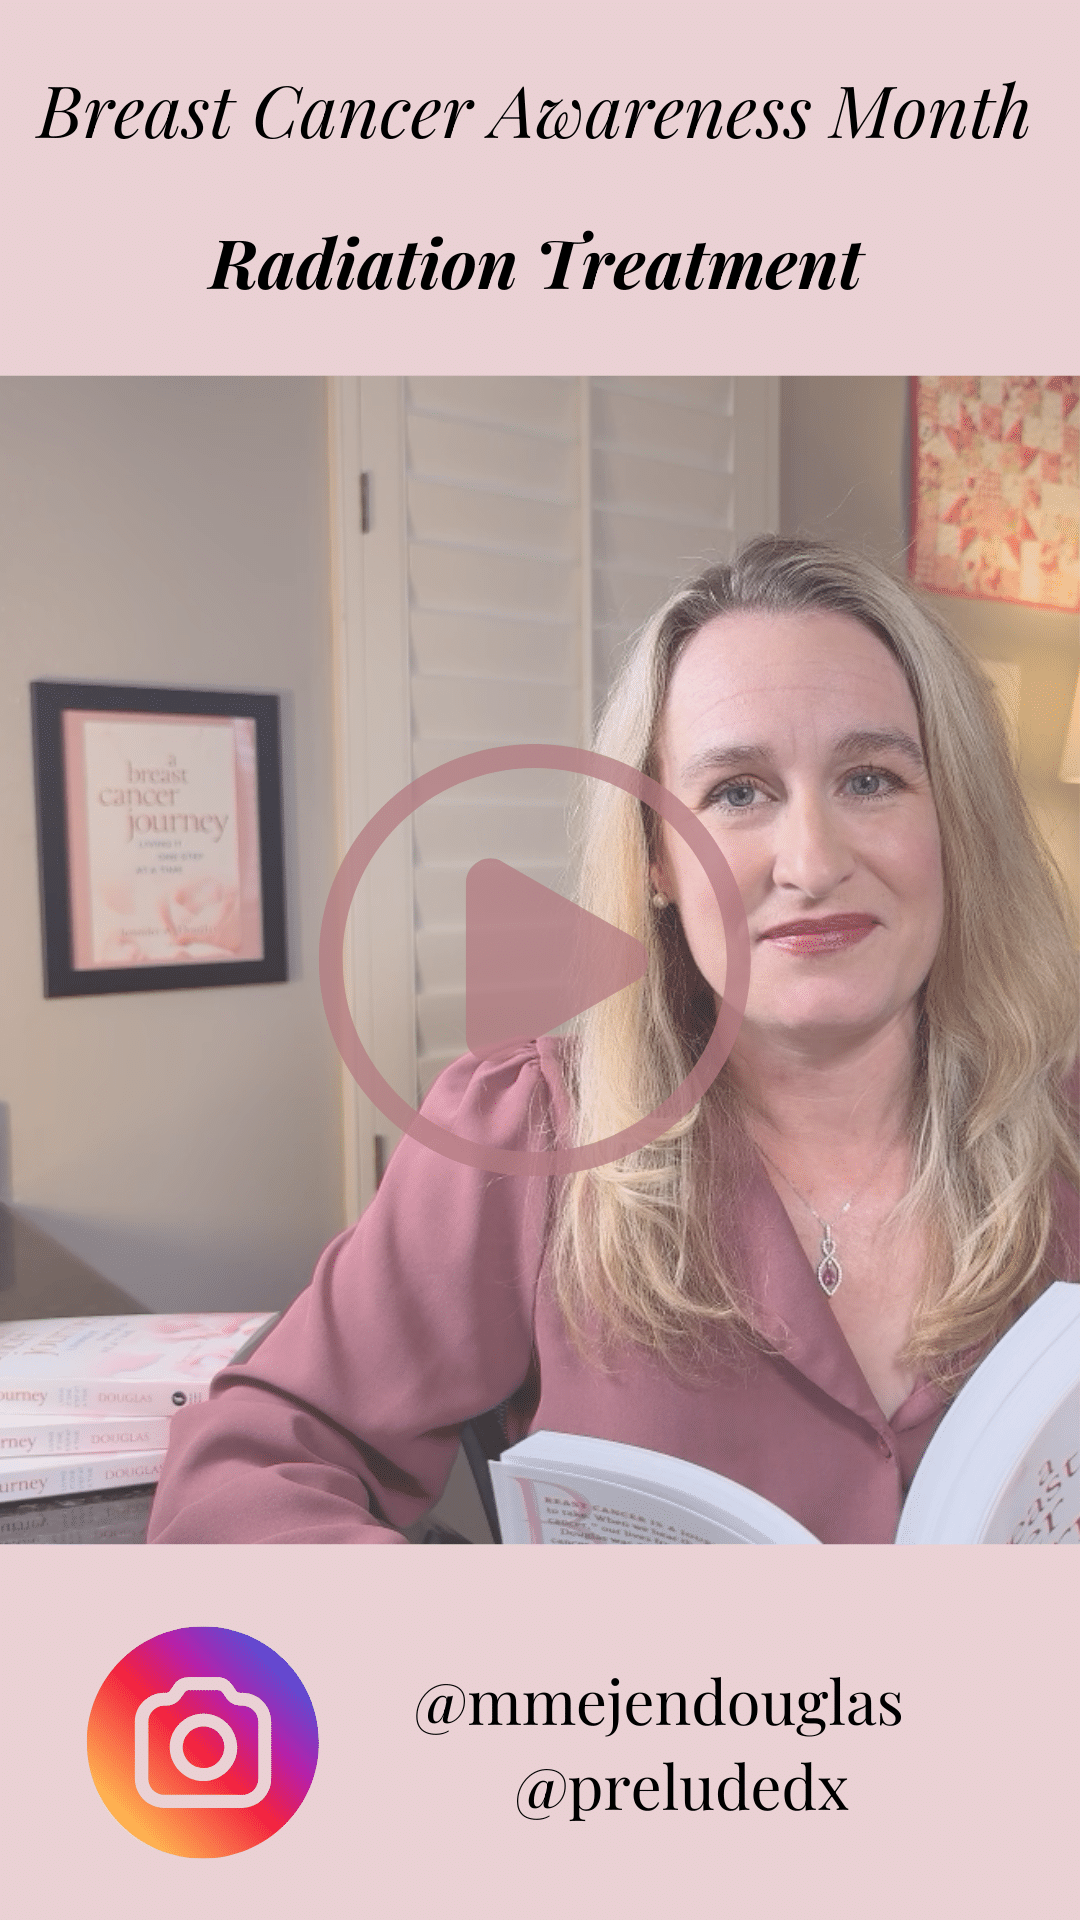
(33, 1435)
(130, 1365)
(79, 1473)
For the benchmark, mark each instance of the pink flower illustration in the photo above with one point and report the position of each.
(203, 913)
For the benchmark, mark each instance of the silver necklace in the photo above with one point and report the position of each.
(829, 1271)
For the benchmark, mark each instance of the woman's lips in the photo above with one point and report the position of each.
(830, 935)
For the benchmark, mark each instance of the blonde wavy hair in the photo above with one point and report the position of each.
(640, 1244)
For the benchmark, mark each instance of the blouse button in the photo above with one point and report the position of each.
(885, 1447)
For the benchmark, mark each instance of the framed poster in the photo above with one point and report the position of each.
(159, 837)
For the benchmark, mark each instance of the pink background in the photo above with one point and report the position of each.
(111, 244)
(962, 1808)
(969, 267)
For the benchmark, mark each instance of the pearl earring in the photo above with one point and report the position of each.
(660, 901)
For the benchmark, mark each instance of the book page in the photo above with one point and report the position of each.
(571, 1489)
(1003, 1467)
(561, 1514)
(1040, 1507)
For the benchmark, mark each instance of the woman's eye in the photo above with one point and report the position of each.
(738, 794)
(870, 783)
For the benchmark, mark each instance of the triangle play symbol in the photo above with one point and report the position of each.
(533, 959)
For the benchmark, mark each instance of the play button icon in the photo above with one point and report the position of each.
(533, 959)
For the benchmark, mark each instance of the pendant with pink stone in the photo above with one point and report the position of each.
(830, 1272)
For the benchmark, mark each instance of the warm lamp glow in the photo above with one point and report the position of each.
(1070, 759)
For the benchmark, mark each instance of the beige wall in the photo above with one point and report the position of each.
(845, 476)
(186, 1144)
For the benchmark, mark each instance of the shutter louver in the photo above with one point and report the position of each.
(663, 497)
(494, 539)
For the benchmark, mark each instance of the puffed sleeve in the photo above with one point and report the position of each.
(344, 1424)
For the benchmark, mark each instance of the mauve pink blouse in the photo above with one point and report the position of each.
(436, 1306)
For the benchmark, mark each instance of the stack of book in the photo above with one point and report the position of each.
(85, 1406)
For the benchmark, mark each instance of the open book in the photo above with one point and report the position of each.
(1002, 1468)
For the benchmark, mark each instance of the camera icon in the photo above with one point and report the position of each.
(217, 1769)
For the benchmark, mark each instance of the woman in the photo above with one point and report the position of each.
(789, 1286)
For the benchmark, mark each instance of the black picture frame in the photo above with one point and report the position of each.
(50, 701)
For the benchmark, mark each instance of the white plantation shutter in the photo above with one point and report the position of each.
(663, 496)
(520, 530)
(681, 471)
(493, 490)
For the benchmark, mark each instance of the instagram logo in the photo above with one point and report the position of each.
(202, 1742)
